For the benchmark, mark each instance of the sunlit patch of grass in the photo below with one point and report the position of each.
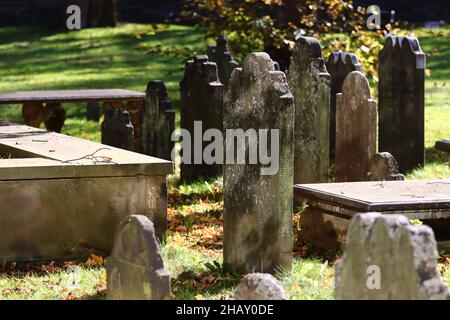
(431, 171)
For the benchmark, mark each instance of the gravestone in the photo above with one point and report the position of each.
(117, 130)
(220, 54)
(384, 167)
(33, 113)
(201, 100)
(257, 203)
(356, 129)
(158, 121)
(401, 69)
(259, 286)
(309, 82)
(339, 65)
(135, 270)
(93, 111)
(388, 258)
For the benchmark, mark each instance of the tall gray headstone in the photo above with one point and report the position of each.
(383, 167)
(258, 203)
(117, 130)
(309, 82)
(356, 129)
(201, 100)
(401, 90)
(387, 258)
(220, 53)
(259, 286)
(339, 65)
(135, 270)
(158, 121)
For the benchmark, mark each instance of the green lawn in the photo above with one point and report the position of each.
(32, 59)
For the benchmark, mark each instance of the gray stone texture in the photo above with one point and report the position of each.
(356, 129)
(258, 208)
(158, 121)
(401, 90)
(259, 286)
(339, 65)
(117, 130)
(404, 254)
(201, 100)
(135, 269)
(383, 167)
(309, 82)
(221, 54)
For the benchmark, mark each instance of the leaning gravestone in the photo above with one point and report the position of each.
(135, 270)
(259, 286)
(258, 199)
(201, 102)
(356, 129)
(401, 69)
(309, 82)
(117, 130)
(383, 167)
(220, 54)
(158, 121)
(388, 258)
(339, 65)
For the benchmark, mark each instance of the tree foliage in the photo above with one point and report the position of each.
(273, 25)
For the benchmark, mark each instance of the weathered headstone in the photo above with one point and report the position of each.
(158, 121)
(388, 258)
(356, 129)
(383, 167)
(339, 65)
(220, 54)
(93, 111)
(201, 100)
(259, 286)
(117, 130)
(33, 113)
(135, 269)
(258, 204)
(401, 69)
(309, 82)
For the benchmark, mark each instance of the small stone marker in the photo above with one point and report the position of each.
(356, 129)
(220, 54)
(201, 100)
(388, 258)
(158, 121)
(309, 82)
(339, 65)
(93, 111)
(401, 89)
(135, 269)
(383, 167)
(257, 207)
(259, 286)
(117, 130)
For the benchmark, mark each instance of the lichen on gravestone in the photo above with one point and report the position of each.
(309, 83)
(356, 129)
(258, 208)
(135, 269)
(259, 286)
(384, 167)
(388, 258)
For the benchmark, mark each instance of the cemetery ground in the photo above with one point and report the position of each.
(33, 59)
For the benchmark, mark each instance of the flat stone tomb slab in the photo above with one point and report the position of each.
(70, 96)
(61, 195)
(331, 206)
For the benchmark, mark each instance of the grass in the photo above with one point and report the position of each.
(32, 58)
